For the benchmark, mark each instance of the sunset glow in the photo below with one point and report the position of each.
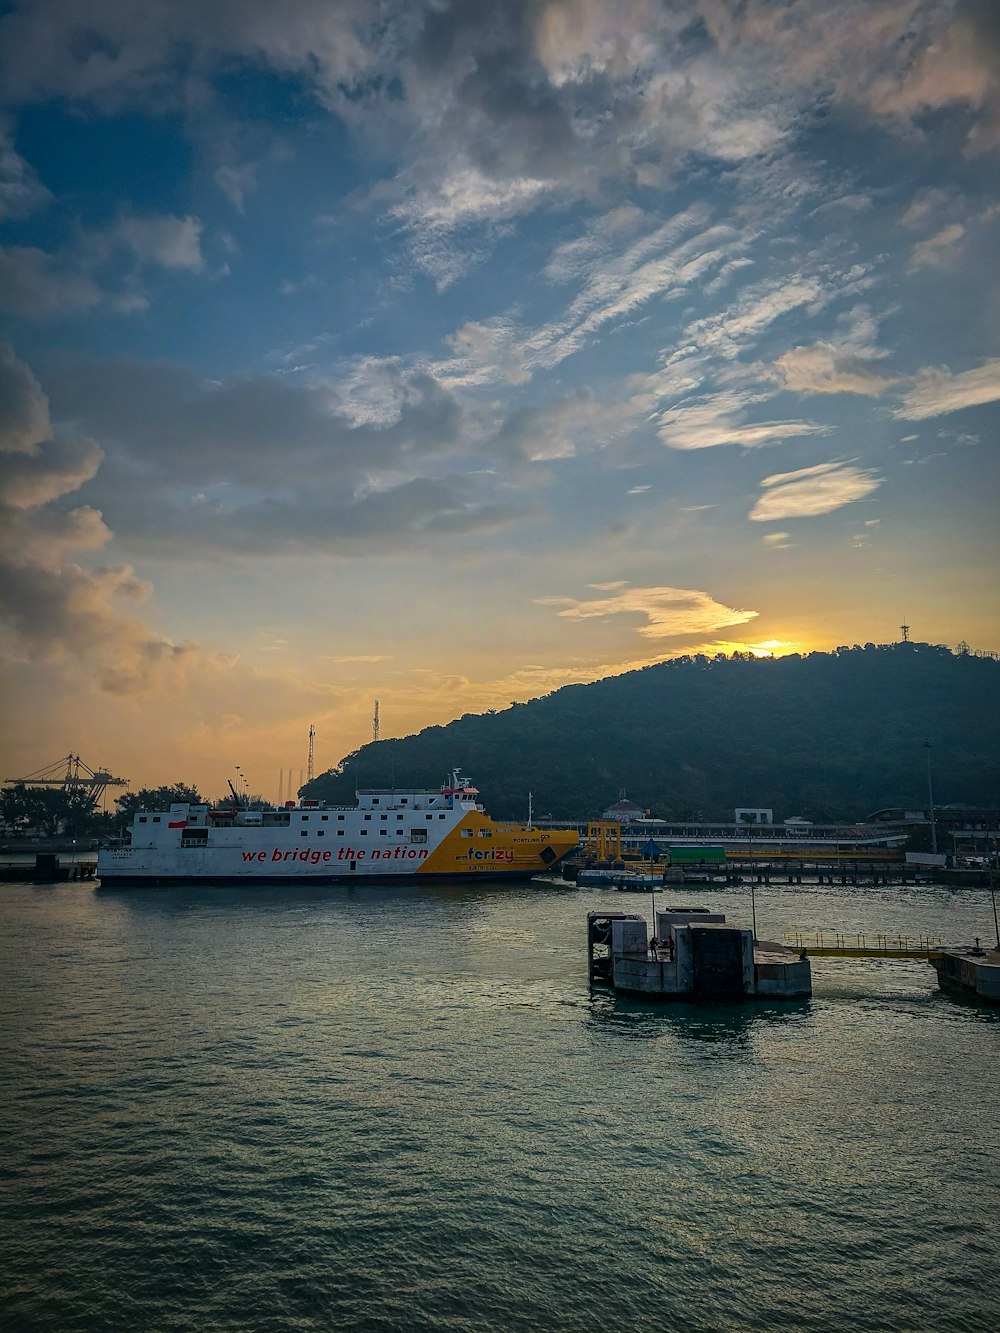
(447, 355)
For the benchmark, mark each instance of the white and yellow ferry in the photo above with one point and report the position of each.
(388, 835)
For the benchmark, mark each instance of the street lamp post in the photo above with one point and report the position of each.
(930, 799)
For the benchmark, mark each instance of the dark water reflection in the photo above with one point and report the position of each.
(384, 1109)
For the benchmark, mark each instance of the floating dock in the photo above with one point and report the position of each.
(695, 955)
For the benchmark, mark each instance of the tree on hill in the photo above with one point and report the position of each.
(826, 736)
(156, 798)
(48, 810)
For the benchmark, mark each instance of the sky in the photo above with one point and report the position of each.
(447, 353)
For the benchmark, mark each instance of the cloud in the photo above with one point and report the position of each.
(555, 429)
(937, 249)
(493, 348)
(52, 468)
(826, 368)
(777, 541)
(36, 284)
(24, 408)
(951, 60)
(719, 419)
(96, 268)
(936, 391)
(255, 465)
(21, 192)
(57, 609)
(169, 241)
(812, 491)
(669, 612)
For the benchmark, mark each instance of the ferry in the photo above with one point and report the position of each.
(389, 834)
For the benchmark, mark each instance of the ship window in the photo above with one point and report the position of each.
(340, 818)
(321, 833)
(324, 817)
(368, 819)
(304, 833)
(340, 833)
(418, 835)
(374, 800)
(403, 800)
(384, 818)
(384, 832)
(156, 819)
(399, 816)
(486, 833)
(466, 833)
(430, 816)
(364, 833)
(304, 818)
(142, 819)
(441, 816)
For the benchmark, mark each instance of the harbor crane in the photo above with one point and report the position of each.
(73, 775)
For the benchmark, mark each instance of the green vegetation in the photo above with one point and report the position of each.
(825, 736)
(53, 811)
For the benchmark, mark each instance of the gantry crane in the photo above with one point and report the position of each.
(72, 774)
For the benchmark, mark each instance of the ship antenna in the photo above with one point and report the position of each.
(529, 809)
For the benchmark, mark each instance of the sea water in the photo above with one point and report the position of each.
(404, 1108)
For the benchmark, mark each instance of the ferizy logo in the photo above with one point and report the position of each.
(505, 854)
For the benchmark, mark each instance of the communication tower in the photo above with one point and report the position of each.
(312, 754)
(375, 722)
(905, 630)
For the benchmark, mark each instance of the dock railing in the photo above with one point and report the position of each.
(839, 944)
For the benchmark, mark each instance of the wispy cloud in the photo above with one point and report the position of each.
(938, 249)
(720, 419)
(668, 612)
(811, 491)
(937, 391)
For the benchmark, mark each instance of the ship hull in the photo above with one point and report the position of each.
(155, 881)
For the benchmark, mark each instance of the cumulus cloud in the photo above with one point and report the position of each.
(936, 391)
(812, 491)
(668, 612)
(24, 408)
(58, 609)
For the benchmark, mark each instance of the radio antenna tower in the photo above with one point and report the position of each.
(312, 754)
(375, 722)
(905, 629)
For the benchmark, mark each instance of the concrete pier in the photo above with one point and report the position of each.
(695, 955)
(972, 972)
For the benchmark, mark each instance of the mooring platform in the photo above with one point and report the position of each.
(695, 954)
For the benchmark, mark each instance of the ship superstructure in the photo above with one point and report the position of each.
(389, 834)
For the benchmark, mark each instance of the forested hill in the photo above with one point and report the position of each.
(825, 736)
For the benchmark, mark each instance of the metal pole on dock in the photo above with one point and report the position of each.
(930, 799)
(753, 891)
